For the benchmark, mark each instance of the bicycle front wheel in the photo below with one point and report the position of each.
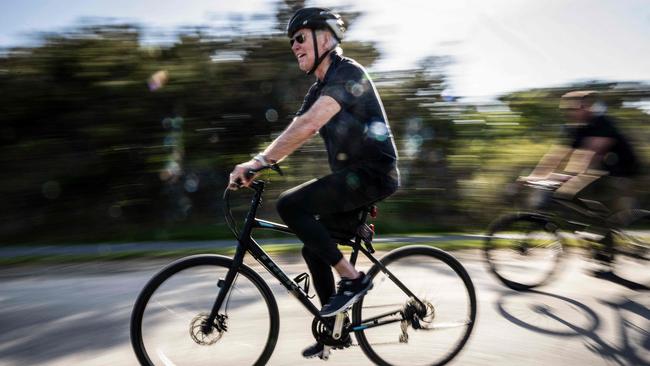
(393, 328)
(523, 250)
(167, 323)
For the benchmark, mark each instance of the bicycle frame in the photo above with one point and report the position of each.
(246, 244)
(590, 214)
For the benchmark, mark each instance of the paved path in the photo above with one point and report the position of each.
(78, 314)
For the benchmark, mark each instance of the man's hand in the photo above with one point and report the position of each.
(531, 178)
(239, 176)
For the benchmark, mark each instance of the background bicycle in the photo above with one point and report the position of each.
(524, 249)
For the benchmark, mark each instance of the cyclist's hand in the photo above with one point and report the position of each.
(530, 178)
(241, 176)
(561, 178)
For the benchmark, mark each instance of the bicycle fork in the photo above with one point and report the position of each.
(224, 287)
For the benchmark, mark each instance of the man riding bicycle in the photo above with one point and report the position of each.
(343, 106)
(599, 159)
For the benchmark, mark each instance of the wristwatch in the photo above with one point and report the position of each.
(262, 159)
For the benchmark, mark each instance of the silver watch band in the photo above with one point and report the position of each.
(262, 159)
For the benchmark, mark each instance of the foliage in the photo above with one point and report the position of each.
(94, 148)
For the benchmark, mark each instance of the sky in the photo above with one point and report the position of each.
(498, 46)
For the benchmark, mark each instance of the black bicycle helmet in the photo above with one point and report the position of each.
(317, 18)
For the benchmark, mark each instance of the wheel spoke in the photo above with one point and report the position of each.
(168, 316)
(435, 278)
(523, 250)
(447, 325)
(384, 306)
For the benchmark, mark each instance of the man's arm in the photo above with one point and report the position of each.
(549, 163)
(580, 161)
(299, 131)
(590, 154)
(302, 128)
(599, 145)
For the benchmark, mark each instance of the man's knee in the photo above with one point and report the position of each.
(308, 254)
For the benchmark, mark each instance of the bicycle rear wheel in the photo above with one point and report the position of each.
(166, 323)
(416, 335)
(632, 246)
(523, 250)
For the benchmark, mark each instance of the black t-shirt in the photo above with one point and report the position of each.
(359, 135)
(620, 160)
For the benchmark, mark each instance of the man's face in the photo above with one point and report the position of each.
(576, 115)
(575, 111)
(304, 51)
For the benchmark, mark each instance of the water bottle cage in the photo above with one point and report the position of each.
(305, 287)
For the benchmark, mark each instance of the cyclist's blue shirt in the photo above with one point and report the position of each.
(359, 135)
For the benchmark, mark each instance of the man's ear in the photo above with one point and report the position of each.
(324, 39)
(598, 108)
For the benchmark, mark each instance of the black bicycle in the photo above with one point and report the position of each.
(524, 250)
(211, 309)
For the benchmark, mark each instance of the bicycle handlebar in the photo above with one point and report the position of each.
(251, 173)
(274, 167)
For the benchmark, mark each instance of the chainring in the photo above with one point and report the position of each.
(324, 336)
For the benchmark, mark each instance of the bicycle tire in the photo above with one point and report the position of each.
(508, 245)
(631, 245)
(401, 263)
(212, 263)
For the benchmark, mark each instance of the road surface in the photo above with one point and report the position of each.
(78, 314)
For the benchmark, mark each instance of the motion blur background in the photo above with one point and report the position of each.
(120, 120)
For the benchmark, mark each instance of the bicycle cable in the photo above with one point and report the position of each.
(230, 221)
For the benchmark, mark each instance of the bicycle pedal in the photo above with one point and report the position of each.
(344, 346)
(604, 258)
(325, 355)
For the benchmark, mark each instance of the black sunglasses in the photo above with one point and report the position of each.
(300, 38)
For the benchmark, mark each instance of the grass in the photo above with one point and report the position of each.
(273, 249)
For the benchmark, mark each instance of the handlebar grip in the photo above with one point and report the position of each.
(251, 173)
(275, 167)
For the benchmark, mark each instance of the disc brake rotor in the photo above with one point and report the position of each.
(207, 334)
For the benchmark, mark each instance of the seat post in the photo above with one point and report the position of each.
(355, 251)
(363, 217)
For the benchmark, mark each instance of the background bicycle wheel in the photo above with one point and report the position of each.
(523, 251)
